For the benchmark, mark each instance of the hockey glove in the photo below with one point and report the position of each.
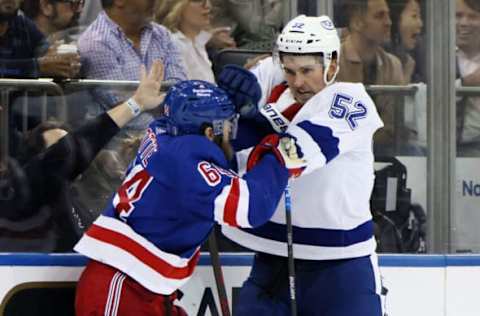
(243, 89)
(283, 148)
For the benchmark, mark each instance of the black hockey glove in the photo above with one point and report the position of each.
(242, 87)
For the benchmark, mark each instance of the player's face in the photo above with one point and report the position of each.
(410, 24)
(467, 26)
(304, 75)
(222, 134)
(223, 141)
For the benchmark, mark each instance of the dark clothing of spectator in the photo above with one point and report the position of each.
(50, 207)
(19, 48)
(307, 7)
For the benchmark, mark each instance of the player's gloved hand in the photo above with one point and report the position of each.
(283, 148)
(242, 87)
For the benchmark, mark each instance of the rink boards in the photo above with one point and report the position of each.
(433, 285)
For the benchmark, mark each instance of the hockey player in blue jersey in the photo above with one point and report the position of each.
(333, 123)
(146, 244)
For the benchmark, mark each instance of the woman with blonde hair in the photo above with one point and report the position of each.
(189, 21)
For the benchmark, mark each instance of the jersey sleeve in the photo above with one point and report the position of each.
(213, 192)
(334, 124)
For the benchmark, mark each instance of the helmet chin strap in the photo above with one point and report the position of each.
(327, 63)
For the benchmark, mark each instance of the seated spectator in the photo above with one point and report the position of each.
(24, 50)
(407, 44)
(254, 23)
(189, 20)
(407, 27)
(56, 19)
(120, 40)
(363, 59)
(468, 73)
(90, 12)
(46, 220)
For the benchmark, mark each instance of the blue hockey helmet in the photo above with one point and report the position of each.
(192, 103)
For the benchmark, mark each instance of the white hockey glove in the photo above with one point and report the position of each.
(284, 149)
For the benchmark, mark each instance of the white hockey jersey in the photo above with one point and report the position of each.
(330, 201)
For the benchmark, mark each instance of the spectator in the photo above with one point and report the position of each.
(122, 38)
(57, 20)
(48, 220)
(364, 60)
(54, 18)
(255, 23)
(408, 46)
(468, 71)
(189, 21)
(24, 50)
(407, 27)
(90, 12)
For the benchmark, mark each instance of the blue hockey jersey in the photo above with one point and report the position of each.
(166, 207)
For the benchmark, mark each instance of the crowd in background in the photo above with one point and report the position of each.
(382, 44)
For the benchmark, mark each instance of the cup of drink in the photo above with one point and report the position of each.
(67, 49)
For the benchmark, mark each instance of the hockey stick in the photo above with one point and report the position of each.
(217, 272)
(291, 262)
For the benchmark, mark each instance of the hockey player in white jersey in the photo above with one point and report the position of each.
(333, 123)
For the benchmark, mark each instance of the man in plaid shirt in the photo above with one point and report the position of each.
(122, 38)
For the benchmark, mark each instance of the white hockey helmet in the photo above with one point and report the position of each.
(308, 35)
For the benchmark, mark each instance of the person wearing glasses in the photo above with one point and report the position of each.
(53, 16)
(24, 51)
(56, 18)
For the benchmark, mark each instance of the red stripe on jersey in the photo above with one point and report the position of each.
(231, 205)
(277, 92)
(126, 196)
(291, 111)
(134, 248)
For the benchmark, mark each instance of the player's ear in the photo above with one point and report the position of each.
(208, 132)
(332, 69)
